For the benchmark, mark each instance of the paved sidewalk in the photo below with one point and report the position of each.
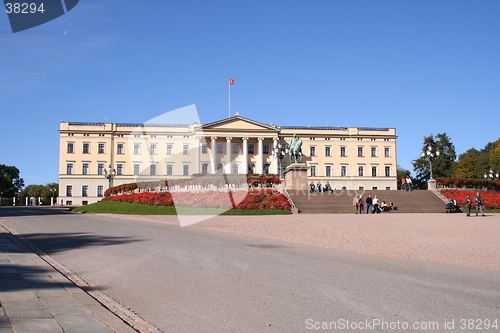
(36, 298)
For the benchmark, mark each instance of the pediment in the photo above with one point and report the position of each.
(238, 123)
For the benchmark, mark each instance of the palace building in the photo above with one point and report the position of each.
(347, 157)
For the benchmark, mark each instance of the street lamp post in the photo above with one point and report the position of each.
(110, 173)
(431, 156)
(53, 190)
(280, 151)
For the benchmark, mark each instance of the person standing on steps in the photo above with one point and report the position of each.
(361, 204)
(479, 204)
(408, 183)
(355, 203)
(376, 209)
(369, 202)
(403, 184)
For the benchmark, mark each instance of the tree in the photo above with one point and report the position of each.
(443, 165)
(465, 169)
(495, 157)
(10, 182)
(42, 191)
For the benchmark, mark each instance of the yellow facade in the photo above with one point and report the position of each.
(351, 158)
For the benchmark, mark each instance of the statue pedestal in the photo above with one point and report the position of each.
(296, 177)
(431, 185)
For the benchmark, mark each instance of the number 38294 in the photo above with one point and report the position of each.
(23, 8)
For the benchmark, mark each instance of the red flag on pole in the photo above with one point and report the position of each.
(231, 82)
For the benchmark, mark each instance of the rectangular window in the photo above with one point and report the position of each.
(312, 151)
(220, 168)
(71, 148)
(185, 149)
(153, 149)
(387, 151)
(170, 169)
(100, 191)
(343, 152)
(86, 148)
(69, 190)
(251, 168)
(361, 171)
(100, 169)
(374, 151)
(100, 148)
(266, 168)
(170, 149)
(236, 148)
(387, 171)
(137, 148)
(235, 168)
(374, 171)
(204, 148)
(361, 151)
(119, 148)
(204, 168)
(250, 148)
(328, 151)
(185, 170)
(136, 169)
(85, 168)
(69, 168)
(343, 171)
(119, 169)
(313, 171)
(220, 148)
(265, 149)
(85, 191)
(152, 170)
(328, 171)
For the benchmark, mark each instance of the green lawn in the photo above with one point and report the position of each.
(116, 207)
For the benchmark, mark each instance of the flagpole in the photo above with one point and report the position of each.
(229, 98)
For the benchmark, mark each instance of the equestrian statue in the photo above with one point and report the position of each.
(295, 148)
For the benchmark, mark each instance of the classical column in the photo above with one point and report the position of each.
(213, 154)
(244, 160)
(228, 155)
(197, 155)
(260, 159)
(275, 156)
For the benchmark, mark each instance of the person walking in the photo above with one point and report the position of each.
(408, 184)
(376, 209)
(361, 204)
(468, 205)
(479, 204)
(369, 202)
(355, 203)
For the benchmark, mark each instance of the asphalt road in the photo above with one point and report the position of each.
(196, 280)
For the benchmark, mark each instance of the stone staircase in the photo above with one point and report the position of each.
(340, 202)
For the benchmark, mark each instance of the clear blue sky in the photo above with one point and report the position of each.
(423, 67)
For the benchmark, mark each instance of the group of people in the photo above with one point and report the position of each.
(478, 200)
(320, 188)
(371, 204)
(406, 184)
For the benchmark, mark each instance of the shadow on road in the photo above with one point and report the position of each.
(8, 211)
(58, 242)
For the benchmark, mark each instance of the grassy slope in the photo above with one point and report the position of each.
(115, 207)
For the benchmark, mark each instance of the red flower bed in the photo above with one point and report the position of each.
(264, 199)
(491, 200)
